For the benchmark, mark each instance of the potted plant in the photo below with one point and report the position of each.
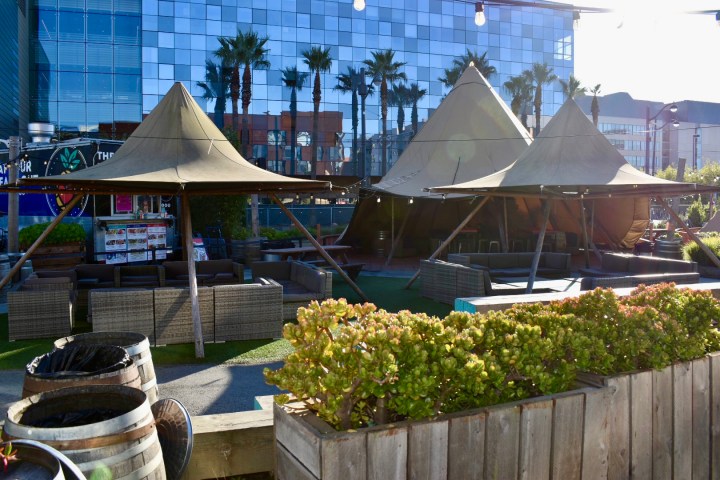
(469, 396)
(23, 459)
(63, 247)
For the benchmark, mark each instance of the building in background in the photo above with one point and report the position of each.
(14, 74)
(629, 125)
(96, 66)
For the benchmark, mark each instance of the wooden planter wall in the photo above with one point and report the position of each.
(58, 257)
(647, 425)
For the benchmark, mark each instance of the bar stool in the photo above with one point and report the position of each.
(517, 245)
(494, 243)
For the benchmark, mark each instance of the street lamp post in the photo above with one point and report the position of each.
(672, 108)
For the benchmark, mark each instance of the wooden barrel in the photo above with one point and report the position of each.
(33, 463)
(108, 429)
(78, 365)
(137, 346)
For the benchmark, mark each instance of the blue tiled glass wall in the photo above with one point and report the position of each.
(86, 63)
(178, 36)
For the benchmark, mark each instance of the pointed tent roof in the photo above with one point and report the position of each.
(569, 158)
(471, 134)
(177, 146)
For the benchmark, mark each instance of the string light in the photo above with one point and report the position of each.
(410, 201)
(378, 199)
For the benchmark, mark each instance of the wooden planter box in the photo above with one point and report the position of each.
(58, 257)
(646, 425)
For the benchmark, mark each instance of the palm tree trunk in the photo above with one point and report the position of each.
(383, 102)
(316, 124)
(414, 118)
(401, 119)
(355, 132)
(538, 106)
(235, 96)
(293, 128)
(246, 95)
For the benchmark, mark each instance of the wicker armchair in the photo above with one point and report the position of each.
(444, 282)
(41, 308)
(122, 310)
(248, 311)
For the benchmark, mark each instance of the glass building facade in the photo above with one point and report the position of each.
(100, 62)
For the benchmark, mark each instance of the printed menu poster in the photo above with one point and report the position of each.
(156, 240)
(116, 244)
(137, 243)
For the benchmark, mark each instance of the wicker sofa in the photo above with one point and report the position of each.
(164, 315)
(42, 307)
(517, 264)
(623, 265)
(302, 283)
(208, 272)
(591, 283)
(444, 282)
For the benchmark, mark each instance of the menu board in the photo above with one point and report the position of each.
(135, 242)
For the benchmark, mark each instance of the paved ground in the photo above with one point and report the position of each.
(202, 389)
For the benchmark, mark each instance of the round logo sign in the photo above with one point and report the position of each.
(65, 160)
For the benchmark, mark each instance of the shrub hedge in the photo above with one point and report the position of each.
(62, 233)
(691, 251)
(355, 365)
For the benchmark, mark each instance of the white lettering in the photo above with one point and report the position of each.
(102, 156)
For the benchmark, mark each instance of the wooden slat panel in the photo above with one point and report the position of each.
(682, 420)
(567, 441)
(715, 415)
(662, 424)
(344, 457)
(466, 447)
(428, 450)
(595, 437)
(701, 419)
(502, 443)
(641, 414)
(535, 440)
(387, 454)
(619, 428)
(297, 438)
(288, 468)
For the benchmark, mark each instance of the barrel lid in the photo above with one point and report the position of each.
(175, 433)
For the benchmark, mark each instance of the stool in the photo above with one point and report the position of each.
(494, 243)
(518, 245)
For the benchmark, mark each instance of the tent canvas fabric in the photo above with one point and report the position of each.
(471, 134)
(571, 158)
(177, 146)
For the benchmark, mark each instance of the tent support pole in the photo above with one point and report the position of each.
(18, 265)
(506, 237)
(538, 246)
(192, 278)
(452, 236)
(585, 234)
(399, 238)
(319, 248)
(706, 250)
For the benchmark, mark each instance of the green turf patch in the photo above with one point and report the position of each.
(387, 293)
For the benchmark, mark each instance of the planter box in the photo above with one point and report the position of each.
(60, 257)
(645, 425)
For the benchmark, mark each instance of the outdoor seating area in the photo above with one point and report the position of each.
(517, 264)
(227, 312)
(301, 283)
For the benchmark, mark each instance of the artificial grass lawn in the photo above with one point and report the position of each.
(387, 293)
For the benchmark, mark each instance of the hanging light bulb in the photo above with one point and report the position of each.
(717, 18)
(479, 14)
(410, 201)
(359, 5)
(576, 19)
(378, 200)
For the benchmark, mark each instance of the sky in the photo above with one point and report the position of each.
(653, 50)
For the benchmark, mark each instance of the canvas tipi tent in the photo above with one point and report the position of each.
(572, 161)
(471, 134)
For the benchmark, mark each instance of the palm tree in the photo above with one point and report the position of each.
(385, 68)
(216, 87)
(294, 81)
(349, 83)
(572, 87)
(520, 89)
(541, 74)
(318, 60)
(247, 49)
(595, 106)
(399, 97)
(460, 64)
(415, 93)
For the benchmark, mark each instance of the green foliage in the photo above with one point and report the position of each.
(62, 233)
(691, 251)
(228, 211)
(355, 365)
(275, 234)
(697, 214)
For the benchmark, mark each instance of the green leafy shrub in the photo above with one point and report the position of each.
(62, 233)
(697, 214)
(355, 365)
(691, 251)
